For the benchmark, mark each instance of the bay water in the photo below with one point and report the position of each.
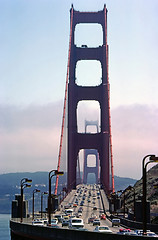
(4, 227)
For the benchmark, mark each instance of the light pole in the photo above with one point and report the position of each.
(51, 174)
(33, 201)
(23, 184)
(152, 159)
(127, 189)
(134, 198)
(42, 193)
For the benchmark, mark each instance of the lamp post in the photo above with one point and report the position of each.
(33, 201)
(152, 159)
(23, 184)
(51, 174)
(42, 193)
(134, 199)
(127, 189)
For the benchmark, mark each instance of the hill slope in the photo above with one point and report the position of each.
(152, 192)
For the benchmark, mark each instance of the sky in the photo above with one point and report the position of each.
(33, 62)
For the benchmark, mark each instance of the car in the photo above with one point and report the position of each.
(103, 216)
(91, 219)
(59, 217)
(54, 222)
(132, 233)
(66, 207)
(115, 222)
(102, 229)
(65, 223)
(81, 208)
(96, 222)
(94, 208)
(75, 205)
(148, 233)
(65, 217)
(76, 223)
(124, 231)
(151, 234)
(79, 214)
(69, 211)
(38, 222)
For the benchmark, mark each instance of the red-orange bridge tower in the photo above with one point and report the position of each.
(100, 141)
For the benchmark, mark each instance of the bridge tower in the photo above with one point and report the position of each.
(99, 141)
(87, 152)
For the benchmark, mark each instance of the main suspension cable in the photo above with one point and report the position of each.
(64, 109)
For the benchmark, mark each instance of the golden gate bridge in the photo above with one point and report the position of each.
(99, 143)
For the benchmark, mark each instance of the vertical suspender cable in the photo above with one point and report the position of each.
(64, 109)
(110, 135)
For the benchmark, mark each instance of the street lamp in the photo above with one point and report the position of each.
(134, 196)
(23, 184)
(127, 189)
(33, 199)
(51, 174)
(42, 193)
(152, 159)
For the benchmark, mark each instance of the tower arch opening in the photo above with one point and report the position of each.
(88, 110)
(91, 160)
(88, 34)
(88, 73)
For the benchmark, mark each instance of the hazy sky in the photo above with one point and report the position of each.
(33, 61)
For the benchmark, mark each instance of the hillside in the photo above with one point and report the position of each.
(10, 185)
(152, 192)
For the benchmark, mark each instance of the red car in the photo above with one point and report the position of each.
(125, 230)
(102, 217)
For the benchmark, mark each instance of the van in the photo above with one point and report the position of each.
(76, 223)
(115, 222)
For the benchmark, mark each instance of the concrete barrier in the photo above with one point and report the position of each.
(21, 231)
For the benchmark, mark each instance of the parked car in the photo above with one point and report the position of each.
(103, 229)
(115, 222)
(96, 222)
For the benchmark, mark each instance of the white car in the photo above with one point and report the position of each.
(38, 222)
(152, 234)
(103, 229)
(76, 223)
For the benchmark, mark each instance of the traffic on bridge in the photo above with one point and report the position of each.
(82, 209)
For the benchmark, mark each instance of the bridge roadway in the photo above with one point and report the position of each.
(88, 207)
